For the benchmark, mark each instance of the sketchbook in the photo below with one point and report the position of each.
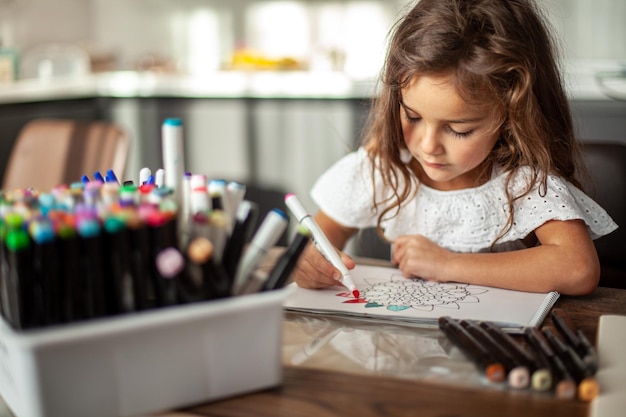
(386, 296)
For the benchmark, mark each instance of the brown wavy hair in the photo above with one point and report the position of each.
(499, 53)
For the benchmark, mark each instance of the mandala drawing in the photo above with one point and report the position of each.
(400, 293)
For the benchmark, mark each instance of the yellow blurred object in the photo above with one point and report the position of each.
(245, 59)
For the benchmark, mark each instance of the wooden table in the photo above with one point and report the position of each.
(328, 392)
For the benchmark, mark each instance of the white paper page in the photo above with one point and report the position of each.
(385, 293)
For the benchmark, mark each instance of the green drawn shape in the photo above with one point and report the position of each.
(373, 304)
(397, 308)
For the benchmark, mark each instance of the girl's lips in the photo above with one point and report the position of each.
(432, 165)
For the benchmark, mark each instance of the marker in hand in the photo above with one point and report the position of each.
(321, 241)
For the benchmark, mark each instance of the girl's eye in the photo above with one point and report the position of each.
(460, 134)
(411, 119)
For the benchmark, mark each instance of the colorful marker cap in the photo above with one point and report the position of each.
(173, 122)
(170, 262)
(114, 224)
(17, 239)
(41, 231)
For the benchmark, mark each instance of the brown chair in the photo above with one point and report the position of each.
(49, 152)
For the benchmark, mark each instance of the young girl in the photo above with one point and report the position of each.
(469, 164)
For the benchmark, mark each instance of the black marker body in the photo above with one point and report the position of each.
(20, 280)
(494, 371)
(91, 267)
(246, 218)
(74, 305)
(163, 235)
(120, 286)
(141, 271)
(48, 275)
(287, 261)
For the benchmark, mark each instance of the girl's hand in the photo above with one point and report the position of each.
(314, 271)
(416, 256)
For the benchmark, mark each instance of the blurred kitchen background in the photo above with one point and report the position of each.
(270, 92)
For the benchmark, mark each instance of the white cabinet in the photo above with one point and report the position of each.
(282, 144)
(293, 141)
(215, 132)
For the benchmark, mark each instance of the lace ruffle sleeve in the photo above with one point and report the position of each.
(561, 201)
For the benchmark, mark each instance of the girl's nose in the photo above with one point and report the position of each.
(429, 141)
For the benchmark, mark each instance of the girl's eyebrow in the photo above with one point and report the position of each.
(407, 107)
(452, 121)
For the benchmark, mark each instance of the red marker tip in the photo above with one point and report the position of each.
(356, 293)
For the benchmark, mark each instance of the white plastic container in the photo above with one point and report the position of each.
(144, 362)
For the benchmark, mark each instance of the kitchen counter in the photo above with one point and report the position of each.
(220, 84)
(579, 78)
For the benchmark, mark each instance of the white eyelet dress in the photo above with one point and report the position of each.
(467, 220)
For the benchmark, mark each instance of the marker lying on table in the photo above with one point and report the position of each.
(321, 241)
(518, 375)
(576, 339)
(541, 378)
(564, 385)
(473, 350)
(588, 387)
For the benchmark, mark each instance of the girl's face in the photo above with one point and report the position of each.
(447, 137)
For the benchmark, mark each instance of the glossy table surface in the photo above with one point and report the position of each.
(336, 367)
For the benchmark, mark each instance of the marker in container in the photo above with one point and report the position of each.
(144, 173)
(184, 214)
(159, 178)
(173, 153)
(218, 233)
(170, 265)
(3, 263)
(47, 267)
(245, 220)
(110, 176)
(234, 194)
(119, 286)
(268, 234)
(287, 261)
(191, 286)
(69, 245)
(91, 267)
(162, 231)
(255, 282)
(216, 189)
(207, 277)
(140, 257)
(97, 176)
(321, 241)
(199, 201)
(19, 280)
(109, 193)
